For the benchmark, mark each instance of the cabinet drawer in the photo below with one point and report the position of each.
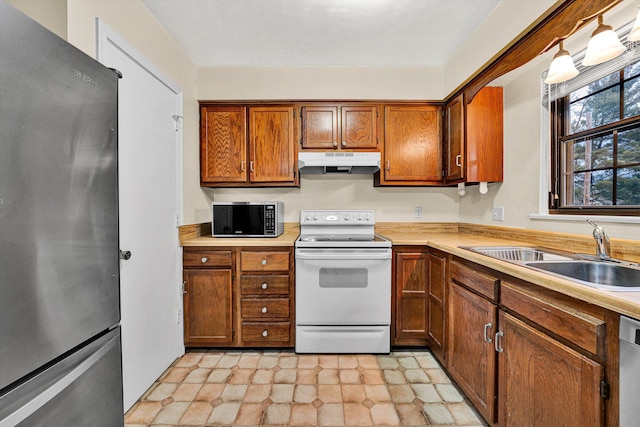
(207, 259)
(266, 332)
(578, 327)
(264, 308)
(477, 281)
(264, 261)
(264, 285)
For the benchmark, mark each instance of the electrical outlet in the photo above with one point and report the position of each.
(418, 212)
(498, 213)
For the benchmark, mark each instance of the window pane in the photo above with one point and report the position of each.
(591, 153)
(632, 70)
(628, 186)
(595, 110)
(632, 96)
(629, 147)
(611, 79)
(591, 188)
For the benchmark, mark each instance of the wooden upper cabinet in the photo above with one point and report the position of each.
(455, 139)
(223, 145)
(272, 144)
(320, 127)
(359, 127)
(338, 126)
(474, 137)
(245, 145)
(412, 153)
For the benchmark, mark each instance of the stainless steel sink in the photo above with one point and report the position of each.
(611, 275)
(598, 274)
(519, 254)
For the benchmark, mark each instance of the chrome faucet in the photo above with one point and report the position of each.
(602, 241)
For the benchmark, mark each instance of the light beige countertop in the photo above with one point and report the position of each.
(627, 303)
(449, 237)
(288, 238)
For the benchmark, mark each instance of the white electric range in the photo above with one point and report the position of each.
(343, 284)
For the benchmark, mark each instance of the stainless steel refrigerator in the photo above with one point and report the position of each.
(60, 358)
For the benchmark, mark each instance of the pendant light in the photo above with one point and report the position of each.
(603, 46)
(634, 35)
(562, 67)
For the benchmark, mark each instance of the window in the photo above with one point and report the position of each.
(595, 144)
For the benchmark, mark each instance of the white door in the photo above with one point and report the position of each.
(149, 155)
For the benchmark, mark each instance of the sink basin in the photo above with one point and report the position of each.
(598, 274)
(518, 254)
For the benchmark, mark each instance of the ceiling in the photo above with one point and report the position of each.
(224, 33)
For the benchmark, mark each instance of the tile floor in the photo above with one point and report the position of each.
(274, 388)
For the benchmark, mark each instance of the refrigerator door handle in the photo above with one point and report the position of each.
(51, 392)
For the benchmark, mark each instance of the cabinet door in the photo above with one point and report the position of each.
(223, 144)
(454, 141)
(411, 298)
(319, 127)
(471, 354)
(272, 145)
(412, 144)
(436, 303)
(484, 136)
(359, 126)
(545, 383)
(208, 307)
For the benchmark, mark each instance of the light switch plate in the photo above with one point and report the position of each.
(498, 213)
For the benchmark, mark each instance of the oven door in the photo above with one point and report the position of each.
(343, 286)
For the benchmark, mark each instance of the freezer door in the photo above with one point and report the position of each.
(59, 280)
(83, 389)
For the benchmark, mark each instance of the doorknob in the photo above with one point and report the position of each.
(125, 255)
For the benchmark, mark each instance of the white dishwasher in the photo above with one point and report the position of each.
(629, 371)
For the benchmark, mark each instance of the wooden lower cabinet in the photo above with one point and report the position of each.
(543, 382)
(436, 303)
(238, 297)
(472, 358)
(208, 307)
(410, 295)
(527, 356)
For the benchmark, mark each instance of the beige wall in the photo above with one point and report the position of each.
(523, 137)
(52, 14)
(421, 83)
(133, 21)
(505, 22)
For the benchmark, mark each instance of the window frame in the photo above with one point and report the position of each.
(559, 118)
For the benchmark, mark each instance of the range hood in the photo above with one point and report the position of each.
(338, 162)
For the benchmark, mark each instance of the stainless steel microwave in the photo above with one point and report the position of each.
(247, 219)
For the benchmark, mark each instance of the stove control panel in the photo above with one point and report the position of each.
(329, 217)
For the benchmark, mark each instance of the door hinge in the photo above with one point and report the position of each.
(605, 389)
(184, 287)
(233, 333)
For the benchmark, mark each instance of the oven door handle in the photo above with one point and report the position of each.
(368, 254)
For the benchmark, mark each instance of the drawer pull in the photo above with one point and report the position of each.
(498, 344)
(264, 262)
(264, 309)
(265, 333)
(264, 285)
(204, 259)
(487, 338)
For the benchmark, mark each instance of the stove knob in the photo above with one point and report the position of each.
(346, 218)
(315, 217)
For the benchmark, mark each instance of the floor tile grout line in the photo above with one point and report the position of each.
(361, 365)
